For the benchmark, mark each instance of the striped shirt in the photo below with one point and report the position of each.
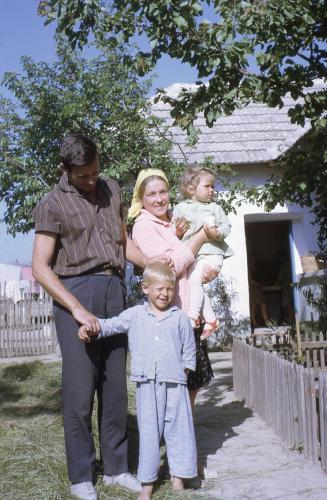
(88, 235)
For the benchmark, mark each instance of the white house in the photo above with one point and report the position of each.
(249, 140)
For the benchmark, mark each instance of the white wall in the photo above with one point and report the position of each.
(304, 237)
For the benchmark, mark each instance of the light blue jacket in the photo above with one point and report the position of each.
(198, 214)
(160, 348)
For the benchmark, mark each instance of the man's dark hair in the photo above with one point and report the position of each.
(77, 150)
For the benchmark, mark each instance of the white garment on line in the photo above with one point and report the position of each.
(12, 291)
(9, 272)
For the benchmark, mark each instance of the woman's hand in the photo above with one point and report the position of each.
(181, 226)
(164, 258)
(212, 232)
(208, 274)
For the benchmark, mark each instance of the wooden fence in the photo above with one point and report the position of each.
(286, 395)
(314, 347)
(26, 326)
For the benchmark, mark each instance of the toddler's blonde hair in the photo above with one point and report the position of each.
(191, 177)
(158, 271)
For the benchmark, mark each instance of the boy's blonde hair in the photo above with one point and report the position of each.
(191, 177)
(158, 271)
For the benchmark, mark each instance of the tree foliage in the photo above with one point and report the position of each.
(100, 97)
(285, 46)
(303, 180)
(256, 50)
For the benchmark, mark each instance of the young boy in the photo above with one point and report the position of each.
(161, 342)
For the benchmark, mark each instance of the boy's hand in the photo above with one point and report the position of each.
(85, 333)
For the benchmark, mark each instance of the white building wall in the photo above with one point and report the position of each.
(303, 232)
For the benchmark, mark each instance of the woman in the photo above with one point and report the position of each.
(154, 233)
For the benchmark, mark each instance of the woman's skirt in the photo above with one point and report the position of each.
(203, 372)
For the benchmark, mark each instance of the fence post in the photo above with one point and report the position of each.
(323, 419)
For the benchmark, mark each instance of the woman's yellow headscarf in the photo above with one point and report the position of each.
(137, 205)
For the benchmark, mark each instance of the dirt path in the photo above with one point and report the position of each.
(45, 358)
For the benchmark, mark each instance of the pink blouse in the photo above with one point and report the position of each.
(154, 236)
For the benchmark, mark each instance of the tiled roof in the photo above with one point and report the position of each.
(253, 134)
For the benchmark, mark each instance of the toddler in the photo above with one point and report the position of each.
(162, 347)
(197, 187)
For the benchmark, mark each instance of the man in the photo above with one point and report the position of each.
(78, 258)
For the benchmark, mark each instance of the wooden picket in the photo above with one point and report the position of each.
(314, 346)
(26, 326)
(323, 418)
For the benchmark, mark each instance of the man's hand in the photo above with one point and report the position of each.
(208, 274)
(85, 334)
(181, 226)
(85, 318)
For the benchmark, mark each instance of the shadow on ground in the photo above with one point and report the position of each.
(216, 421)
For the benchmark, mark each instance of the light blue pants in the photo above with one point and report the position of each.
(165, 408)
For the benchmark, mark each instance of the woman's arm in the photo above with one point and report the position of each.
(152, 239)
(209, 233)
(196, 241)
(133, 253)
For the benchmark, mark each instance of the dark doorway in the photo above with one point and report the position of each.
(270, 276)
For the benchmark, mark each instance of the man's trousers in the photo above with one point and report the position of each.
(98, 366)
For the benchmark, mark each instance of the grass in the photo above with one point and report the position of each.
(32, 454)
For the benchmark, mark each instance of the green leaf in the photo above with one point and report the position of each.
(180, 22)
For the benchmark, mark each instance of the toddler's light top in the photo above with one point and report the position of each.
(198, 214)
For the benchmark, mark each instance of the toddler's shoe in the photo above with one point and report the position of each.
(209, 329)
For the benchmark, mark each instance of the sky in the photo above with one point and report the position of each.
(22, 33)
